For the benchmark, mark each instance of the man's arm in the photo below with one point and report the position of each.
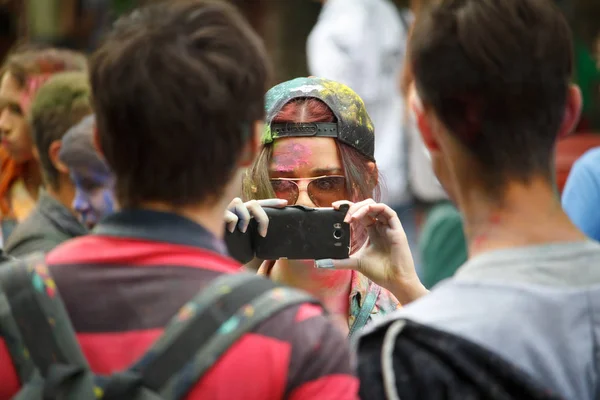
(332, 50)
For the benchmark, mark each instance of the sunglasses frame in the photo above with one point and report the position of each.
(296, 181)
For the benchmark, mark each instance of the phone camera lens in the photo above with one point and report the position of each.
(338, 234)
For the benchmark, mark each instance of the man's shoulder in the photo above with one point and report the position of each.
(515, 276)
(35, 233)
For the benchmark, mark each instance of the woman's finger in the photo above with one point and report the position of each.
(273, 203)
(243, 214)
(231, 221)
(377, 213)
(259, 214)
(352, 263)
(357, 206)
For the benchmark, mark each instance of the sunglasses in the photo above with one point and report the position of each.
(322, 190)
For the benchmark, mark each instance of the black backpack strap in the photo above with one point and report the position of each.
(207, 326)
(44, 326)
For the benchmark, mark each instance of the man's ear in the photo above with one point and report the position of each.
(53, 153)
(422, 121)
(572, 112)
(253, 145)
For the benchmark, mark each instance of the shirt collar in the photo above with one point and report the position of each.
(159, 226)
(359, 288)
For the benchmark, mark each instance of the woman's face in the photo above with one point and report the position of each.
(94, 195)
(295, 164)
(14, 130)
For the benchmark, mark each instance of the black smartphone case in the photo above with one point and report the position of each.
(295, 233)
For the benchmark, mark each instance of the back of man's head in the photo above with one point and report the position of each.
(497, 75)
(59, 104)
(177, 87)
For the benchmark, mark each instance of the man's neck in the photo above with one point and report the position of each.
(32, 178)
(212, 218)
(63, 192)
(332, 287)
(528, 215)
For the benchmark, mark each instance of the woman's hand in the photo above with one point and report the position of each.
(239, 214)
(385, 258)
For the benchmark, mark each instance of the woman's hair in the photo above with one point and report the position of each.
(362, 182)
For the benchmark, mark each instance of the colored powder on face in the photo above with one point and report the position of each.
(94, 197)
(289, 157)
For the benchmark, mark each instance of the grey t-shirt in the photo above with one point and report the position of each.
(537, 306)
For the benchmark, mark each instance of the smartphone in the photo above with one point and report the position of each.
(295, 233)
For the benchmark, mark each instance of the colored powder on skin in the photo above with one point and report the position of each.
(329, 280)
(93, 195)
(289, 157)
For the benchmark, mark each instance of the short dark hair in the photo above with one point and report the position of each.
(497, 75)
(177, 87)
(59, 104)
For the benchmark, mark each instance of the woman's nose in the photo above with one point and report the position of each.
(304, 199)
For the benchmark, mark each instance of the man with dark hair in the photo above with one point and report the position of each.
(491, 95)
(59, 104)
(178, 90)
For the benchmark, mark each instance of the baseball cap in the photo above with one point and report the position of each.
(353, 127)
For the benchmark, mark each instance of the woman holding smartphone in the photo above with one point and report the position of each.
(319, 152)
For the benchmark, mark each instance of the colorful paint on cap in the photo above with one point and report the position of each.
(354, 126)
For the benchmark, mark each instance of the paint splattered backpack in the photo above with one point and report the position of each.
(45, 352)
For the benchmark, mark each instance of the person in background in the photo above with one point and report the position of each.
(93, 180)
(362, 44)
(316, 172)
(442, 244)
(178, 95)
(530, 291)
(59, 104)
(581, 195)
(23, 72)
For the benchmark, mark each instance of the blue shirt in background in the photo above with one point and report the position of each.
(581, 196)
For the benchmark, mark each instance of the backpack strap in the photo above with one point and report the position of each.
(44, 326)
(365, 311)
(205, 328)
